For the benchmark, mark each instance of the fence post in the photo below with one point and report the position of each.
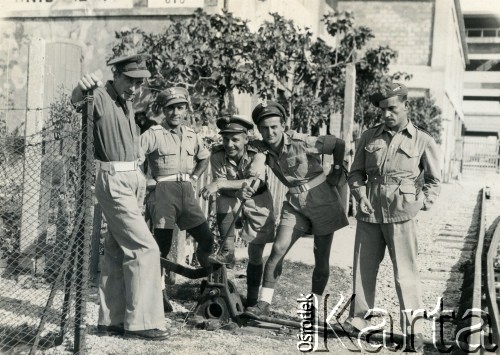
(347, 124)
(32, 165)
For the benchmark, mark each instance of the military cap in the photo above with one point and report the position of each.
(234, 124)
(173, 95)
(386, 91)
(133, 66)
(267, 109)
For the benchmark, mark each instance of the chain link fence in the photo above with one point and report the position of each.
(51, 232)
(45, 228)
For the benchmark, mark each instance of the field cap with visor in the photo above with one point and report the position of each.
(133, 66)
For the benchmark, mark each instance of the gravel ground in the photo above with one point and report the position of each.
(445, 244)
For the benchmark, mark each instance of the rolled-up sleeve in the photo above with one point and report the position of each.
(321, 145)
(218, 167)
(202, 151)
(432, 170)
(357, 175)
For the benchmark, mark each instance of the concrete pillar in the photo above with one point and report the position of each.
(33, 150)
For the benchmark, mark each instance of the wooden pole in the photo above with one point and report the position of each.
(33, 149)
(347, 124)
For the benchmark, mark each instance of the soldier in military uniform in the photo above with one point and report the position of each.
(312, 206)
(130, 284)
(383, 178)
(231, 169)
(177, 158)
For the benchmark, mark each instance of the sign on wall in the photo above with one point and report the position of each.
(59, 5)
(175, 3)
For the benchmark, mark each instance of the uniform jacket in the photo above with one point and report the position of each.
(386, 168)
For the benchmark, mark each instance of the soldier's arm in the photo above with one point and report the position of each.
(432, 173)
(202, 158)
(357, 175)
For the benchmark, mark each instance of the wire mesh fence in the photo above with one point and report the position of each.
(51, 234)
(45, 221)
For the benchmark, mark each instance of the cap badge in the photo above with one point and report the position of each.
(171, 91)
(264, 103)
(397, 88)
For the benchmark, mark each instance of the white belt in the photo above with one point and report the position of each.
(115, 166)
(308, 186)
(175, 177)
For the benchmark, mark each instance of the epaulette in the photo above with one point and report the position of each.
(217, 148)
(189, 129)
(297, 136)
(376, 126)
(156, 127)
(423, 130)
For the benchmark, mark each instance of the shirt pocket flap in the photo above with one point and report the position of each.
(371, 148)
(292, 161)
(409, 151)
(164, 151)
(408, 189)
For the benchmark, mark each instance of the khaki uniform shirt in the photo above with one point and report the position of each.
(115, 131)
(169, 153)
(224, 168)
(386, 168)
(300, 159)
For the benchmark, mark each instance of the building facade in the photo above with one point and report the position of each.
(482, 84)
(429, 38)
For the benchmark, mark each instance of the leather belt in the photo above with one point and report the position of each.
(174, 177)
(308, 186)
(116, 166)
(389, 180)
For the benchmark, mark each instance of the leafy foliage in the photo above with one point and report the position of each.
(426, 115)
(214, 55)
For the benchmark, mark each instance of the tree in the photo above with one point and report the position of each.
(210, 55)
(426, 115)
(213, 55)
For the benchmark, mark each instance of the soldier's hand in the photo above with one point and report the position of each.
(365, 206)
(209, 190)
(427, 204)
(89, 82)
(245, 193)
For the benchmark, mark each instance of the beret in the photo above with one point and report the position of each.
(133, 66)
(266, 109)
(173, 95)
(234, 124)
(386, 91)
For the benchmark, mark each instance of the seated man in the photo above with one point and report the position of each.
(230, 171)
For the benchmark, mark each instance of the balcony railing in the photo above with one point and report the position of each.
(483, 32)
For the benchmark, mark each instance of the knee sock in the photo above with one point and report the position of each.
(254, 278)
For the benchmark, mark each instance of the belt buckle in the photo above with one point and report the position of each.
(180, 177)
(302, 188)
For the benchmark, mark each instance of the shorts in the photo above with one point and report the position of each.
(258, 216)
(173, 203)
(317, 211)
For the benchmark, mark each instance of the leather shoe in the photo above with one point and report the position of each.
(224, 258)
(110, 329)
(148, 334)
(262, 308)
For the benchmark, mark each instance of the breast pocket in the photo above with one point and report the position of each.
(374, 153)
(408, 158)
(297, 165)
(167, 158)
